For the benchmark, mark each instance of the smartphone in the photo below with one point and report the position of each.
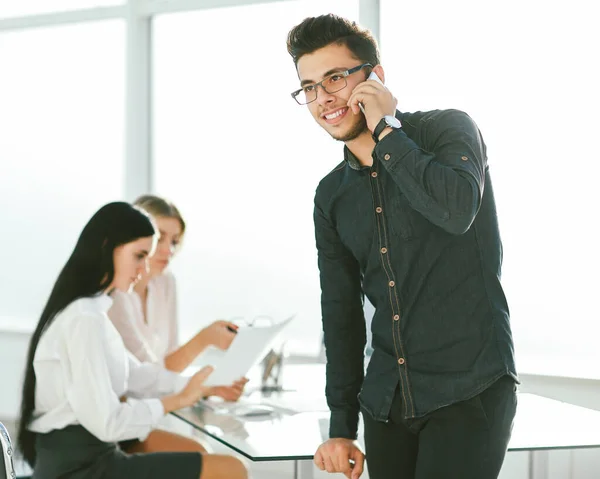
(372, 76)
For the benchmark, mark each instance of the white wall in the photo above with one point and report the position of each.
(13, 352)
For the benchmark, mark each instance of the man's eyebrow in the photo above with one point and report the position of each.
(327, 73)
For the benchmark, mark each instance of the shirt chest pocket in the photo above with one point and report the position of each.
(402, 220)
(355, 225)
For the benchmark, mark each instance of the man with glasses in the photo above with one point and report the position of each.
(408, 219)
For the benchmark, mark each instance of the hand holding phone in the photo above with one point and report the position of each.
(372, 76)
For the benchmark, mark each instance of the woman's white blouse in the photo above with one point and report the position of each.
(82, 370)
(154, 337)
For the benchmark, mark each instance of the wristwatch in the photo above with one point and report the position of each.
(387, 120)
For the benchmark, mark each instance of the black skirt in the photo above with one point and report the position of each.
(75, 453)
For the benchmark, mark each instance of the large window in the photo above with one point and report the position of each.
(61, 150)
(527, 72)
(13, 8)
(242, 160)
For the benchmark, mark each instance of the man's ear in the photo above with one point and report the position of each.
(378, 69)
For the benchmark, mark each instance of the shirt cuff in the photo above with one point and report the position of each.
(170, 382)
(393, 147)
(343, 424)
(157, 411)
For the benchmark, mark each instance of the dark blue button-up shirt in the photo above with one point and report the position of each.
(417, 233)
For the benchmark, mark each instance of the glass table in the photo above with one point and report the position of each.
(299, 423)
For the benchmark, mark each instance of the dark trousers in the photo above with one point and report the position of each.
(466, 440)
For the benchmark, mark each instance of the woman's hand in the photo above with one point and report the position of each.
(193, 391)
(229, 393)
(220, 333)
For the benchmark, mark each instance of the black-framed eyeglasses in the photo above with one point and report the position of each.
(331, 84)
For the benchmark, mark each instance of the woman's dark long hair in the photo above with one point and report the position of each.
(88, 272)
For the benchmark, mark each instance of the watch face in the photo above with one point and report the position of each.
(393, 121)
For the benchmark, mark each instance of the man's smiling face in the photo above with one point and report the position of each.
(330, 110)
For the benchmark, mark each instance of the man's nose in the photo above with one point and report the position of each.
(324, 98)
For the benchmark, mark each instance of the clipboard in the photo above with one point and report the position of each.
(250, 345)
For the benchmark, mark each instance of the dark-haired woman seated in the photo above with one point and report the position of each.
(77, 370)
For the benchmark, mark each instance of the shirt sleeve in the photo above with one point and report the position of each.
(152, 380)
(444, 182)
(122, 315)
(90, 393)
(172, 312)
(343, 326)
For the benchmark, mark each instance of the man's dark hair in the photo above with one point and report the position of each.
(318, 32)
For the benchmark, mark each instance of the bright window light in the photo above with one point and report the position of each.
(242, 160)
(14, 8)
(527, 72)
(61, 151)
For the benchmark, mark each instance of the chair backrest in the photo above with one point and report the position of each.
(7, 470)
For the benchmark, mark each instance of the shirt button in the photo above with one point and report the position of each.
(386, 157)
(384, 250)
(396, 317)
(464, 158)
(392, 284)
(374, 174)
(401, 361)
(379, 209)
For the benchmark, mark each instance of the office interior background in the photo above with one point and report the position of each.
(104, 100)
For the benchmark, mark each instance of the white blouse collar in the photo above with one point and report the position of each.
(104, 302)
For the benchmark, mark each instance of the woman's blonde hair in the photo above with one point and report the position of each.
(160, 208)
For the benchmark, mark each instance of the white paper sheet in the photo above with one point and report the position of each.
(250, 346)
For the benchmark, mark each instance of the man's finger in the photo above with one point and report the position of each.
(369, 86)
(318, 460)
(353, 102)
(341, 459)
(345, 467)
(359, 97)
(359, 463)
(329, 466)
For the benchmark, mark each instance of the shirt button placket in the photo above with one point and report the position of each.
(383, 250)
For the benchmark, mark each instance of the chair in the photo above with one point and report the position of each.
(7, 470)
(7, 465)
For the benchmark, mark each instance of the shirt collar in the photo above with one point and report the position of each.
(104, 302)
(351, 160)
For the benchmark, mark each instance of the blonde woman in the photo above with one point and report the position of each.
(147, 320)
